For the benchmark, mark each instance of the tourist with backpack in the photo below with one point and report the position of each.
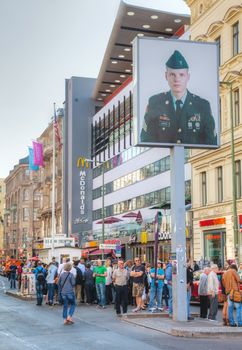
(40, 275)
(50, 279)
(78, 286)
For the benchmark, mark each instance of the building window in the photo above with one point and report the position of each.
(15, 218)
(162, 196)
(220, 183)
(37, 195)
(14, 236)
(26, 195)
(25, 235)
(204, 187)
(25, 214)
(35, 214)
(235, 38)
(218, 40)
(236, 107)
(238, 178)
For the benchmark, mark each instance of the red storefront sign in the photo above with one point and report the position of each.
(240, 223)
(212, 222)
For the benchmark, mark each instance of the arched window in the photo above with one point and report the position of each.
(26, 195)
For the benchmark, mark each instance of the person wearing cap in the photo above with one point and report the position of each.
(178, 116)
(157, 283)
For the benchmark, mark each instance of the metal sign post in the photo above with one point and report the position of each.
(178, 241)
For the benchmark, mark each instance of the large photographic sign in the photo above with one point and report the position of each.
(176, 93)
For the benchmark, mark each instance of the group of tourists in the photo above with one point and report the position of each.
(114, 282)
(134, 283)
(231, 296)
(120, 283)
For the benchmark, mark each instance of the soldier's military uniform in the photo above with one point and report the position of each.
(194, 124)
(191, 122)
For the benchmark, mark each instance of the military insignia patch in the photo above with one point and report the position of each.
(164, 117)
(195, 118)
(164, 121)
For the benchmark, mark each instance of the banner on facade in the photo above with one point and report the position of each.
(31, 160)
(38, 153)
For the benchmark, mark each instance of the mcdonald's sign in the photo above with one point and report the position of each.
(82, 162)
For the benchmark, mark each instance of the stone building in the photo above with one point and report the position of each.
(2, 207)
(27, 218)
(21, 214)
(216, 178)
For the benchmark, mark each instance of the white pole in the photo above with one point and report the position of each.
(53, 228)
(178, 240)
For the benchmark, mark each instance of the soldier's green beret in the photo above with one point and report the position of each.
(177, 61)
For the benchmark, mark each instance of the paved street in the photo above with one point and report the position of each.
(23, 325)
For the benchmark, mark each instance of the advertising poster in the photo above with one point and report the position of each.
(176, 93)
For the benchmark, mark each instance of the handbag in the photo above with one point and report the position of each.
(235, 296)
(60, 299)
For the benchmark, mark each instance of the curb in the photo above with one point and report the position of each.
(20, 296)
(150, 315)
(193, 332)
(205, 333)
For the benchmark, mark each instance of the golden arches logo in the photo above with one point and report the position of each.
(82, 163)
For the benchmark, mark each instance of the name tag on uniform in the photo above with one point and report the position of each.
(164, 121)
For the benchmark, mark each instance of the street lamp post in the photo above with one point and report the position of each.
(234, 187)
(102, 166)
(102, 208)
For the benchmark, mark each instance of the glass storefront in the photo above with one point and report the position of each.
(214, 247)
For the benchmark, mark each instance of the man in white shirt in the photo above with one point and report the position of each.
(61, 267)
(213, 286)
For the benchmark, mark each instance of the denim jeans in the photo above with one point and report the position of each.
(51, 289)
(238, 307)
(188, 302)
(100, 289)
(39, 292)
(154, 294)
(170, 299)
(68, 299)
(13, 280)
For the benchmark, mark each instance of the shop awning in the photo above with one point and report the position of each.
(86, 252)
(100, 251)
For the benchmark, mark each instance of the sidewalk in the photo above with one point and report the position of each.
(16, 294)
(199, 328)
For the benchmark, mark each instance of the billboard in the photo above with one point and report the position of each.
(176, 93)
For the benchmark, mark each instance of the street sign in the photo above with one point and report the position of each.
(107, 246)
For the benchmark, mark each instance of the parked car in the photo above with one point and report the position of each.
(196, 277)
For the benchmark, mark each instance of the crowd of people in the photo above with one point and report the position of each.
(209, 289)
(117, 282)
(134, 283)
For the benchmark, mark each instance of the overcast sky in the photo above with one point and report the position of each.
(42, 42)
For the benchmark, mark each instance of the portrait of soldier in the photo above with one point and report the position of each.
(178, 116)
